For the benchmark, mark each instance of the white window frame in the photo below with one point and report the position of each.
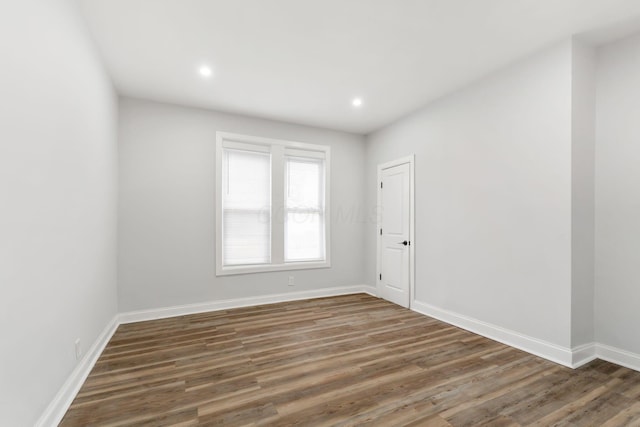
(277, 148)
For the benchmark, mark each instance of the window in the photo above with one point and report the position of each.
(272, 201)
(246, 182)
(304, 209)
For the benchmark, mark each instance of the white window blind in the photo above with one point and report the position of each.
(304, 209)
(246, 207)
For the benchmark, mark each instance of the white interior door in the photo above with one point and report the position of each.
(394, 234)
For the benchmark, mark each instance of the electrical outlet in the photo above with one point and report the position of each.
(291, 281)
(78, 349)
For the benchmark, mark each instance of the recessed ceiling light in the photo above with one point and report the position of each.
(356, 102)
(205, 71)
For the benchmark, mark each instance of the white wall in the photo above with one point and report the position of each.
(618, 195)
(493, 197)
(583, 112)
(58, 193)
(167, 207)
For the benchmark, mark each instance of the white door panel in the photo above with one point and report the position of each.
(391, 259)
(394, 234)
(392, 195)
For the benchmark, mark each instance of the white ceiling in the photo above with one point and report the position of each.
(303, 61)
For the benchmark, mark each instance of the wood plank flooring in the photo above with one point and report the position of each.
(349, 360)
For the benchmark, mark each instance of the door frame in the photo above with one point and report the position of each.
(410, 159)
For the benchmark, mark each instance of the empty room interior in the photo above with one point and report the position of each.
(304, 212)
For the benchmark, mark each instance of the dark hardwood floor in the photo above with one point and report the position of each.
(349, 360)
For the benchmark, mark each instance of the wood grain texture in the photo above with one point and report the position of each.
(340, 361)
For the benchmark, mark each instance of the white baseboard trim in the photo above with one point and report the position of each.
(181, 310)
(583, 354)
(619, 357)
(544, 349)
(371, 290)
(63, 399)
(572, 358)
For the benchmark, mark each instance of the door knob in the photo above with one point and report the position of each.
(404, 243)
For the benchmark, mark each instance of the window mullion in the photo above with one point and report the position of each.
(277, 204)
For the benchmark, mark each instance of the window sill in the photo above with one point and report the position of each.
(248, 269)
